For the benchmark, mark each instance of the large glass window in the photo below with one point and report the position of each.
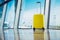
(55, 14)
(10, 14)
(29, 8)
(1, 9)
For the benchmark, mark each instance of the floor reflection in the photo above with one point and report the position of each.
(38, 34)
(29, 34)
(54, 34)
(26, 34)
(9, 34)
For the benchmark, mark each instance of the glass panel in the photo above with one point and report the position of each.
(10, 14)
(1, 1)
(1, 8)
(9, 34)
(55, 14)
(29, 8)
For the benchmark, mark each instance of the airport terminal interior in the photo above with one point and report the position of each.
(29, 19)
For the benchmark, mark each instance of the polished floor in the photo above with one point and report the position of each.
(29, 34)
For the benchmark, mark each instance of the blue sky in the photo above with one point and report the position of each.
(31, 4)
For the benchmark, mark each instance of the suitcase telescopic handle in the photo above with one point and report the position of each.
(40, 6)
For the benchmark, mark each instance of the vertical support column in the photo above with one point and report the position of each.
(16, 35)
(47, 12)
(1, 23)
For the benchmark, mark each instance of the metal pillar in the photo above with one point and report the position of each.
(1, 22)
(47, 14)
(16, 34)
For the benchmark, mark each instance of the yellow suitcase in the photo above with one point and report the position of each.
(38, 21)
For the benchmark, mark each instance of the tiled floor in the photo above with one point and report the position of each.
(54, 34)
(9, 34)
(29, 34)
(26, 34)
